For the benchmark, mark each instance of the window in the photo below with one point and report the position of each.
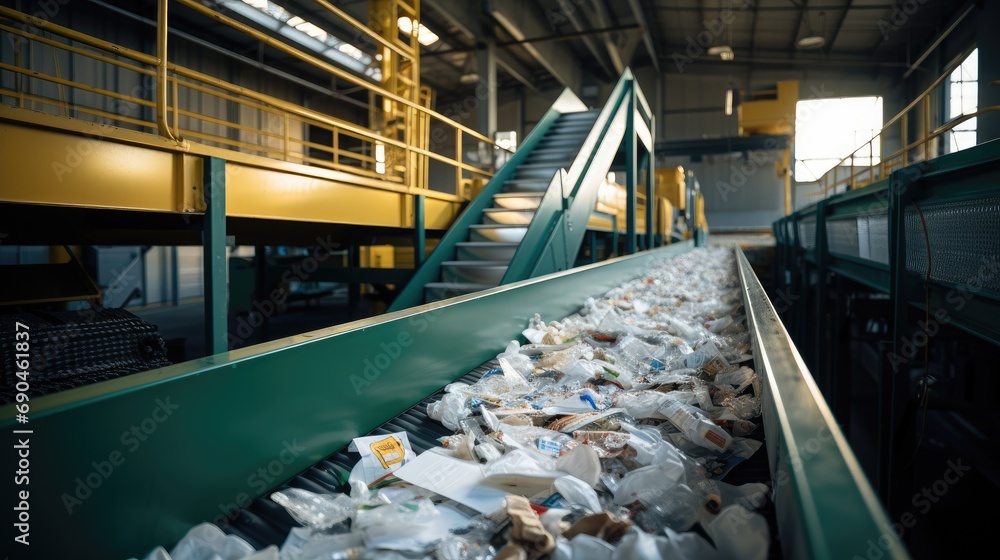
(963, 99)
(307, 34)
(828, 130)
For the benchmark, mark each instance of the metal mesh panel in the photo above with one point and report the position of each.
(807, 233)
(878, 237)
(965, 242)
(842, 236)
(70, 349)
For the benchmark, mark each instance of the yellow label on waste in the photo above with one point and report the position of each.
(389, 451)
(714, 366)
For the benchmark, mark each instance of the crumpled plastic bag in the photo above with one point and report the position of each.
(740, 534)
(578, 493)
(319, 511)
(521, 363)
(521, 468)
(450, 410)
(583, 547)
(208, 541)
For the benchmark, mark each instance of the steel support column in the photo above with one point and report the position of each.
(893, 467)
(214, 252)
(820, 324)
(630, 177)
(419, 233)
(486, 68)
(651, 187)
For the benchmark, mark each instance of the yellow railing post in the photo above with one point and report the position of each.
(904, 122)
(458, 158)
(161, 70)
(175, 106)
(871, 162)
(927, 126)
(286, 135)
(852, 172)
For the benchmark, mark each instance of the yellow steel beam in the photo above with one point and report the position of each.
(255, 192)
(55, 160)
(49, 167)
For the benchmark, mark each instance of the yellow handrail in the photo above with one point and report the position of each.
(161, 70)
(351, 148)
(867, 174)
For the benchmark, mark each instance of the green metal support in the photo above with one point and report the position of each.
(261, 290)
(614, 236)
(651, 237)
(631, 176)
(821, 327)
(419, 233)
(214, 255)
(826, 507)
(894, 385)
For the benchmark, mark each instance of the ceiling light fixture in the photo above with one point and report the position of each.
(725, 52)
(469, 75)
(425, 36)
(812, 40)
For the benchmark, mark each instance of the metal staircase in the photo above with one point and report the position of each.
(531, 217)
(483, 259)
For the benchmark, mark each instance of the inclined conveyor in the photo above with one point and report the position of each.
(244, 423)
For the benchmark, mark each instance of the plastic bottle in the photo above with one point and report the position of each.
(696, 426)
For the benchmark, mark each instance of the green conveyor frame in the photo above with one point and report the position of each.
(215, 433)
(877, 236)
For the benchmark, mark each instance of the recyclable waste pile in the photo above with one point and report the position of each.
(606, 436)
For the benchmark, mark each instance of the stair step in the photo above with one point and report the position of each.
(551, 157)
(527, 186)
(555, 151)
(437, 291)
(486, 250)
(476, 272)
(572, 128)
(592, 113)
(536, 171)
(566, 142)
(507, 216)
(569, 129)
(497, 232)
(518, 201)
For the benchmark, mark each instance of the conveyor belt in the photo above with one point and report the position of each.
(264, 522)
(228, 416)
